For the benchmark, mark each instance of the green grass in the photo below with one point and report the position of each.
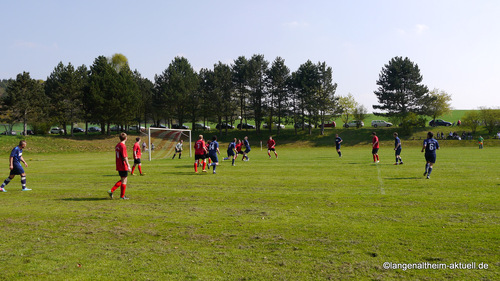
(308, 215)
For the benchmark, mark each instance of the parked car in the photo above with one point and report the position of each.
(9, 133)
(275, 125)
(245, 126)
(136, 128)
(94, 129)
(299, 125)
(224, 126)
(78, 130)
(330, 124)
(159, 126)
(200, 126)
(354, 123)
(114, 129)
(439, 122)
(56, 130)
(177, 126)
(28, 132)
(381, 123)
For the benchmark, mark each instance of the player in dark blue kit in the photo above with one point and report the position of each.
(16, 157)
(247, 149)
(231, 151)
(397, 149)
(430, 147)
(338, 141)
(213, 150)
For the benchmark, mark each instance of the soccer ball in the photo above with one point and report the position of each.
(239, 117)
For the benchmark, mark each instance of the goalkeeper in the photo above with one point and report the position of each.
(178, 149)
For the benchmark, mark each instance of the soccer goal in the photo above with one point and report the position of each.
(162, 142)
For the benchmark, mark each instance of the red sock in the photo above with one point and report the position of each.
(269, 153)
(140, 170)
(276, 154)
(377, 156)
(133, 168)
(204, 165)
(196, 167)
(374, 158)
(122, 190)
(115, 187)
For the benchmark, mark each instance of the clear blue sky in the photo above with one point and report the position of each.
(455, 43)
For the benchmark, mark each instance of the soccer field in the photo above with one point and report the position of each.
(308, 215)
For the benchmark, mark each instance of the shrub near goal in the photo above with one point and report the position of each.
(161, 142)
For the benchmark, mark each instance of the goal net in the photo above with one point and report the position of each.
(161, 142)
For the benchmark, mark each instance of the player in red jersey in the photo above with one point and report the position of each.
(239, 145)
(271, 147)
(122, 166)
(375, 147)
(199, 153)
(136, 151)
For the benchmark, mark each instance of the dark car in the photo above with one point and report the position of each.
(330, 124)
(177, 126)
(299, 125)
(28, 132)
(224, 126)
(245, 126)
(439, 122)
(159, 126)
(78, 130)
(94, 129)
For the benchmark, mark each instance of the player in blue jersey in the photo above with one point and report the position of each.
(16, 157)
(247, 149)
(338, 141)
(231, 151)
(213, 150)
(397, 149)
(430, 147)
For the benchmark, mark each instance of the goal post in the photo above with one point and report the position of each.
(162, 141)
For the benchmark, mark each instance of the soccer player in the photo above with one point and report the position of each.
(15, 159)
(178, 149)
(397, 149)
(338, 141)
(122, 166)
(231, 151)
(375, 147)
(136, 151)
(239, 145)
(247, 149)
(480, 140)
(213, 150)
(199, 153)
(271, 146)
(430, 147)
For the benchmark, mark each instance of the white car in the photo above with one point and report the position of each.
(381, 123)
(275, 125)
(354, 123)
(56, 130)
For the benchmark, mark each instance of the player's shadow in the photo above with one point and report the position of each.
(85, 199)
(407, 178)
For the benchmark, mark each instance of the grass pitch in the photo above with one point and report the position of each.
(308, 215)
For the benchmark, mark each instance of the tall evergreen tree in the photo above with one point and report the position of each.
(27, 100)
(278, 76)
(400, 89)
(240, 79)
(325, 99)
(257, 69)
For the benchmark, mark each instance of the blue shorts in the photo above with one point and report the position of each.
(214, 158)
(398, 151)
(248, 149)
(230, 153)
(337, 146)
(17, 170)
(430, 158)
